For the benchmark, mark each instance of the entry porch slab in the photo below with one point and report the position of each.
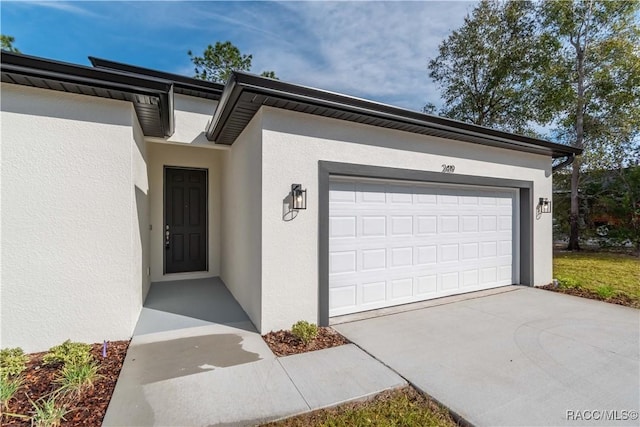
(196, 360)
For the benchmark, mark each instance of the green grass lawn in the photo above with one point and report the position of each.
(603, 273)
(405, 407)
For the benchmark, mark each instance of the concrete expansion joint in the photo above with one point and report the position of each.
(294, 383)
(462, 422)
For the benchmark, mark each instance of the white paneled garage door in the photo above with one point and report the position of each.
(393, 243)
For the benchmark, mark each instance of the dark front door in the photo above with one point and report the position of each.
(185, 212)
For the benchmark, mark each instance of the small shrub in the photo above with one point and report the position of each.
(567, 282)
(304, 331)
(68, 353)
(605, 291)
(75, 378)
(47, 413)
(8, 388)
(13, 361)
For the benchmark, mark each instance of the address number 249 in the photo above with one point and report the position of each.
(448, 168)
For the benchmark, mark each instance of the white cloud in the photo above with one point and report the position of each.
(64, 6)
(377, 50)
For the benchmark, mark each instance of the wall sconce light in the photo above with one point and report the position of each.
(298, 197)
(544, 205)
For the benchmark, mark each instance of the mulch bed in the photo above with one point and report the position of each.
(283, 343)
(620, 299)
(90, 408)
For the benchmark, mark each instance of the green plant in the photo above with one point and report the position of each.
(12, 361)
(74, 378)
(567, 282)
(304, 331)
(47, 413)
(8, 388)
(69, 353)
(605, 291)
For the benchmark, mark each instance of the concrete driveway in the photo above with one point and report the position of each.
(523, 356)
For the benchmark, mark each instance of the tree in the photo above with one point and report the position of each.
(269, 74)
(486, 68)
(575, 64)
(6, 43)
(594, 83)
(218, 61)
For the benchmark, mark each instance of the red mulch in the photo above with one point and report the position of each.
(283, 343)
(620, 299)
(89, 410)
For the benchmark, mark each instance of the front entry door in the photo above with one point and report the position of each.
(185, 228)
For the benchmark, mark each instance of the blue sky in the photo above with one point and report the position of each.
(374, 50)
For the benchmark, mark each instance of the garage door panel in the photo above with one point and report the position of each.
(372, 193)
(401, 225)
(394, 243)
(343, 297)
(342, 226)
(401, 256)
(374, 259)
(448, 224)
(401, 289)
(374, 292)
(373, 226)
(426, 224)
(448, 281)
(470, 278)
(342, 262)
(426, 284)
(426, 255)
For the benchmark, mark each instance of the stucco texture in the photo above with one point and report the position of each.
(73, 208)
(292, 145)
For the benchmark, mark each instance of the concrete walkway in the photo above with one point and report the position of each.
(189, 367)
(524, 356)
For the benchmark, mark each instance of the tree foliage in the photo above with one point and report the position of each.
(218, 61)
(269, 74)
(487, 68)
(573, 64)
(593, 84)
(6, 43)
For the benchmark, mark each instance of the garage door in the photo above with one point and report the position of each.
(394, 243)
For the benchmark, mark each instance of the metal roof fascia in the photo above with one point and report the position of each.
(216, 125)
(248, 79)
(84, 81)
(157, 88)
(178, 80)
(393, 117)
(228, 100)
(50, 68)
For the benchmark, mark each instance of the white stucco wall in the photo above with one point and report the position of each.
(191, 116)
(292, 145)
(140, 196)
(161, 155)
(73, 200)
(241, 267)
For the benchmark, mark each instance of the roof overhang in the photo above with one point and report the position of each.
(152, 97)
(182, 85)
(244, 94)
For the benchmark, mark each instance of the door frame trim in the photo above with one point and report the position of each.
(164, 217)
(327, 169)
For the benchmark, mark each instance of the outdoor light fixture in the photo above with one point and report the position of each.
(544, 205)
(298, 197)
